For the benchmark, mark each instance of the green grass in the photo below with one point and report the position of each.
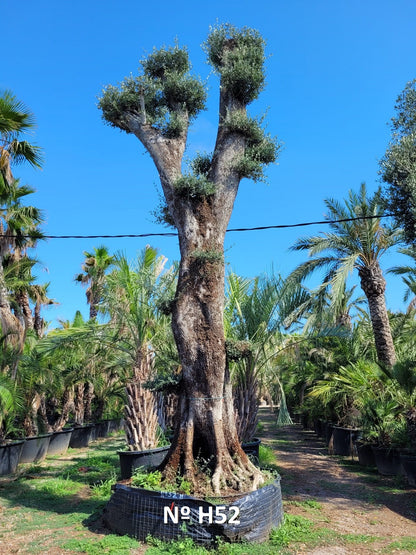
(54, 505)
(120, 545)
(298, 529)
(309, 504)
(404, 544)
(58, 500)
(266, 456)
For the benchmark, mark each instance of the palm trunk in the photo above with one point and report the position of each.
(374, 286)
(23, 300)
(246, 404)
(38, 321)
(88, 397)
(140, 415)
(67, 408)
(411, 426)
(11, 328)
(30, 424)
(79, 404)
(44, 415)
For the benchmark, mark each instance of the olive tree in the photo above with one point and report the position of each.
(157, 107)
(398, 166)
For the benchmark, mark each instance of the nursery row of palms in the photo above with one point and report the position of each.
(86, 370)
(284, 342)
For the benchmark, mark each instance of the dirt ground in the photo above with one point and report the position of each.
(353, 500)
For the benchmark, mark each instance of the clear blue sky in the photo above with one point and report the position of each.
(334, 70)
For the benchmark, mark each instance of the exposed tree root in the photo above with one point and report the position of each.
(231, 470)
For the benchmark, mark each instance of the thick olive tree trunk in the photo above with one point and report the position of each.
(206, 420)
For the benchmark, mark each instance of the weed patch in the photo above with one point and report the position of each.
(405, 544)
(113, 544)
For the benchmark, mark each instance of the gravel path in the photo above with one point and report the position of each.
(352, 500)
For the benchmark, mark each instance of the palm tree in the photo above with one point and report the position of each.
(129, 299)
(39, 295)
(15, 120)
(318, 311)
(357, 240)
(94, 270)
(19, 230)
(408, 274)
(253, 317)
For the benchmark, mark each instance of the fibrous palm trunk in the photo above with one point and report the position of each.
(374, 286)
(67, 408)
(11, 328)
(88, 397)
(246, 406)
(79, 404)
(140, 415)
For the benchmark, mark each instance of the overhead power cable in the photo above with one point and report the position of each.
(173, 234)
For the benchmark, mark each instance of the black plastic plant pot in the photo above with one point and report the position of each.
(387, 461)
(251, 448)
(365, 454)
(328, 430)
(318, 427)
(116, 424)
(305, 421)
(81, 436)
(35, 448)
(343, 441)
(59, 442)
(9, 457)
(297, 416)
(130, 460)
(408, 463)
(170, 516)
(102, 429)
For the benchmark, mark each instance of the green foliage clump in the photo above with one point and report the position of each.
(297, 529)
(122, 545)
(398, 170)
(398, 166)
(152, 480)
(267, 457)
(165, 61)
(207, 255)
(163, 382)
(261, 149)
(405, 121)
(238, 56)
(240, 122)
(160, 97)
(255, 157)
(404, 544)
(129, 98)
(194, 186)
(201, 164)
(149, 480)
(237, 350)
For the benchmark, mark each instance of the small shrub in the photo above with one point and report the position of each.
(266, 456)
(148, 480)
(194, 186)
